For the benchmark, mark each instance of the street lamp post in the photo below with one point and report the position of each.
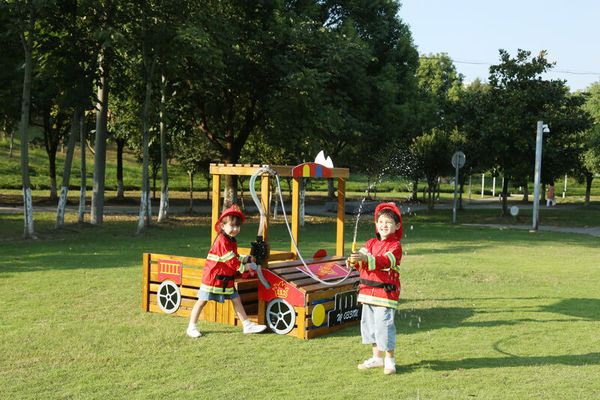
(541, 129)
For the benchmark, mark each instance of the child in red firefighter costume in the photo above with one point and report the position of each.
(222, 263)
(379, 265)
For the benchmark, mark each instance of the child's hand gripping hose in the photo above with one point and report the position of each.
(258, 269)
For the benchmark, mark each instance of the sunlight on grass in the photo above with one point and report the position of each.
(484, 314)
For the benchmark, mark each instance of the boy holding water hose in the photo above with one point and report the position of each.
(379, 264)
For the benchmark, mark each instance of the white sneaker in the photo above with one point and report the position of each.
(193, 332)
(253, 327)
(371, 363)
(390, 367)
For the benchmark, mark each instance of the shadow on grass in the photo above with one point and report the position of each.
(503, 362)
(410, 321)
(582, 308)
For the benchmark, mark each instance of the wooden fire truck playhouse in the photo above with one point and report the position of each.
(296, 296)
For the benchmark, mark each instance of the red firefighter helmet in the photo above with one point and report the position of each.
(233, 210)
(394, 208)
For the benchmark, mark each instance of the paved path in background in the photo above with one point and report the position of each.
(594, 231)
(328, 209)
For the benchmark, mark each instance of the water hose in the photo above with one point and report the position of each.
(307, 271)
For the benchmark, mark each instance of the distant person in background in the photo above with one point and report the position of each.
(550, 196)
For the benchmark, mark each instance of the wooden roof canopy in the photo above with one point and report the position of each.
(285, 171)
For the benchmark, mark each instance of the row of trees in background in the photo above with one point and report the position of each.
(272, 82)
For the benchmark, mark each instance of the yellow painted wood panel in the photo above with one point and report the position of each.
(295, 212)
(185, 291)
(145, 280)
(261, 312)
(275, 255)
(187, 272)
(186, 261)
(181, 312)
(339, 243)
(300, 320)
(216, 199)
(264, 200)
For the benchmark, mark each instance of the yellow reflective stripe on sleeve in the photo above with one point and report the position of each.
(228, 256)
(242, 267)
(213, 257)
(363, 250)
(371, 260)
(396, 268)
(392, 258)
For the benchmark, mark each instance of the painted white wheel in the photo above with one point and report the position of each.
(169, 297)
(280, 316)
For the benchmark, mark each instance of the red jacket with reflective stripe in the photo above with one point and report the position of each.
(223, 260)
(383, 266)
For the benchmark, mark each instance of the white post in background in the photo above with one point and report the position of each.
(538, 169)
(565, 188)
(482, 184)
(494, 186)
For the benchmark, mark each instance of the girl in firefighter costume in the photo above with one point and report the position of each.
(222, 262)
(379, 265)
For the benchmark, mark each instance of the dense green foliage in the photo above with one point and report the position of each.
(273, 82)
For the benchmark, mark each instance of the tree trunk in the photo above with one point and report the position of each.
(505, 197)
(163, 211)
(82, 189)
(64, 190)
(145, 216)
(191, 180)
(154, 176)
(230, 196)
(207, 178)
(97, 211)
(52, 127)
(274, 197)
(525, 193)
(241, 193)
(11, 142)
(415, 191)
(588, 189)
(543, 193)
(430, 193)
(330, 189)
(52, 164)
(120, 148)
(289, 184)
(27, 41)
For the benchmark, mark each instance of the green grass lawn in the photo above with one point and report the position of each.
(485, 314)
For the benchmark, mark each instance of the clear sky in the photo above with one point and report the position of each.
(472, 31)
